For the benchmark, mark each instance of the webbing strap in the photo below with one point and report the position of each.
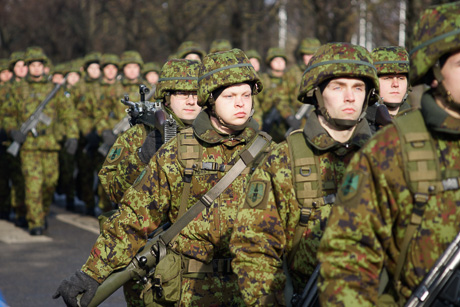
(260, 142)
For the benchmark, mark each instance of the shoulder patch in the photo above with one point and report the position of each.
(351, 186)
(256, 193)
(115, 154)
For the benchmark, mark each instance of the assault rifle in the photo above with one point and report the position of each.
(309, 297)
(31, 123)
(441, 286)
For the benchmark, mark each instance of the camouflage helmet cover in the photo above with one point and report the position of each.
(223, 69)
(220, 45)
(436, 33)
(93, 57)
(131, 56)
(391, 60)
(110, 58)
(337, 60)
(4, 64)
(73, 66)
(253, 54)
(59, 68)
(35, 54)
(177, 75)
(151, 66)
(275, 52)
(308, 45)
(16, 57)
(189, 47)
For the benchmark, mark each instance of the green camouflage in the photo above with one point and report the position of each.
(337, 60)
(436, 33)
(59, 69)
(155, 199)
(218, 45)
(74, 66)
(222, 69)
(274, 52)
(4, 64)
(189, 47)
(110, 58)
(308, 45)
(131, 56)
(367, 225)
(35, 54)
(15, 57)
(253, 54)
(150, 66)
(93, 57)
(390, 60)
(177, 75)
(265, 226)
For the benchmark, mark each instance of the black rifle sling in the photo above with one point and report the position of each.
(246, 157)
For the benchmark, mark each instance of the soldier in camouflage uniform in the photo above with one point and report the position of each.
(151, 73)
(190, 51)
(39, 155)
(218, 45)
(18, 66)
(274, 101)
(131, 152)
(255, 59)
(396, 208)
(293, 190)
(219, 134)
(5, 72)
(392, 64)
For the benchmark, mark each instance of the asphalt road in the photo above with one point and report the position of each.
(32, 267)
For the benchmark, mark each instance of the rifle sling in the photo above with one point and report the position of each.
(246, 157)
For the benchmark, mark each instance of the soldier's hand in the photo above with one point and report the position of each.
(149, 147)
(71, 146)
(18, 136)
(108, 137)
(78, 283)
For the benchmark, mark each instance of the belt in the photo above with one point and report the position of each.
(216, 266)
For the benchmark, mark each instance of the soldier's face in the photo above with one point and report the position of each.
(110, 71)
(131, 71)
(306, 58)
(234, 105)
(58, 78)
(73, 78)
(344, 98)
(393, 87)
(184, 105)
(36, 69)
(152, 77)
(5, 75)
(193, 56)
(278, 64)
(93, 70)
(255, 63)
(20, 69)
(451, 73)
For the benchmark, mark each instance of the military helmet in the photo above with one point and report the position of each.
(390, 60)
(151, 66)
(35, 54)
(337, 60)
(222, 69)
(308, 45)
(177, 75)
(90, 58)
(110, 58)
(59, 68)
(4, 64)
(73, 66)
(220, 45)
(253, 54)
(189, 47)
(275, 52)
(131, 56)
(16, 57)
(436, 33)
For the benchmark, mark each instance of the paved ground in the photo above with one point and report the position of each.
(31, 268)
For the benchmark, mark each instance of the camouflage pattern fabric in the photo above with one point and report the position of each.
(367, 226)
(265, 227)
(110, 105)
(155, 199)
(391, 60)
(189, 47)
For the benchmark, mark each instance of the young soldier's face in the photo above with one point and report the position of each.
(110, 71)
(344, 98)
(184, 105)
(451, 73)
(93, 70)
(132, 71)
(58, 78)
(20, 69)
(73, 78)
(36, 68)
(278, 63)
(193, 56)
(234, 105)
(152, 77)
(5, 75)
(393, 87)
(255, 63)
(306, 58)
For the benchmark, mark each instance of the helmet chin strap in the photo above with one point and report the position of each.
(337, 123)
(451, 104)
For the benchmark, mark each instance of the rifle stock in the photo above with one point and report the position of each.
(309, 297)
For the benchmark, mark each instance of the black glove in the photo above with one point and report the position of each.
(92, 140)
(149, 148)
(71, 145)
(18, 136)
(78, 283)
(108, 137)
(293, 122)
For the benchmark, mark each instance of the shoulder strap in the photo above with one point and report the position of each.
(246, 157)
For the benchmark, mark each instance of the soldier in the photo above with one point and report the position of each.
(190, 51)
(58, 74)
(275, 99)
(176, 177)
(220, 45)
(255, 59)
(131, 152)
(5, 72)
(392, 64)
(18, 66)
(396, 208)
(151, 73)
(293, 190)
(39, 155)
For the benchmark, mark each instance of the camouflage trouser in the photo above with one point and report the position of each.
(10, 170)
(41, 171)
(66, 182)
(5, 201)
(87, 166)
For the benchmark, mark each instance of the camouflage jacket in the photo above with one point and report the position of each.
(276, 94)
(367, 226)
(112, 108)
(25, 97)
(292, 78)
(122, 165)
(155, 197)
(266, 224)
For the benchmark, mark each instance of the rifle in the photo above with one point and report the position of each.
(309, 297)
(31, 123)
(441, 286)
(272, 117)
(295, 122)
